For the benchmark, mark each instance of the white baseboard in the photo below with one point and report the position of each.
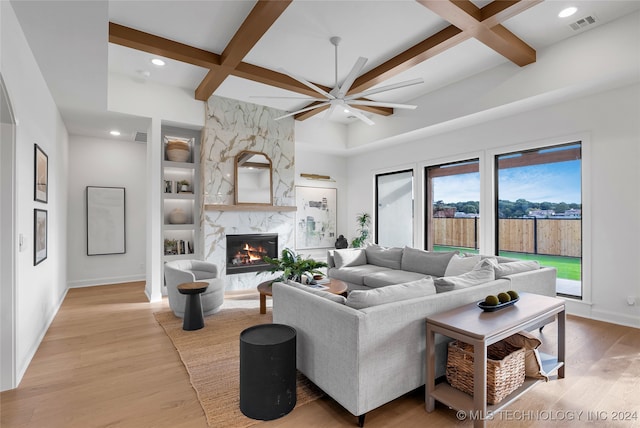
(585, 310)
(105, 281)
(24, 364)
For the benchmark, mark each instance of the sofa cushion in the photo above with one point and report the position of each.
(481, 273)
(427, 262)
(360, 299)
(321, 293)
(504, 269)
(383, 256)
(354, 274)
(391, 277)
(349, 257)
(461, 264)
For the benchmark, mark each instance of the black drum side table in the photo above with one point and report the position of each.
(267, 371)
(193, 318)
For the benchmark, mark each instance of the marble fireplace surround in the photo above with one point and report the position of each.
(233, 126)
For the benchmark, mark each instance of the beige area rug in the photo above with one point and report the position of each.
(212, 357)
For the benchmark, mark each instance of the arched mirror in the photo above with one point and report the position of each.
(253, 178)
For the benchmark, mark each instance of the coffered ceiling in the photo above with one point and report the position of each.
(439, 41)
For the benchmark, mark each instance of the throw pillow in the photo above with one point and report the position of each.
(532, 360)
(320, 293)
(360, 299)
(504, 269)
(349, 257)
(481, 273)
(427, 262)
(459, 265)
(383, 256)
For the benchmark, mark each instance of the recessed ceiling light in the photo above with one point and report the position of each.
(115, 133)
(346, 110)
(564, 13)
(158, 62)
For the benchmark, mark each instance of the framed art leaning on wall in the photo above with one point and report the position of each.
(105, 220)
(316, 217)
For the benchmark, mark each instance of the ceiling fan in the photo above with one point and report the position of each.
(338, 97)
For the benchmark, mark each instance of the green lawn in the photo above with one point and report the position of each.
(568, 267)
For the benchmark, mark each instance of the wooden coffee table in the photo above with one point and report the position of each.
(335, 286)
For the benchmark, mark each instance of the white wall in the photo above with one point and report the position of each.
(608, 124)
(311, 162)
(39, 289)
(106, 163)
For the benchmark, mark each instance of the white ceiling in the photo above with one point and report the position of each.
(70, 42)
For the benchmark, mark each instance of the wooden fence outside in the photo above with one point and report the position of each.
(556, 237)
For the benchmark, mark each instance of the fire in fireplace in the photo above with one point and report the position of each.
(245, 252)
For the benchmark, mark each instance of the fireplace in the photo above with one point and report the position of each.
(245, 252)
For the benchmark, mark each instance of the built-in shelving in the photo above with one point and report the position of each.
(181, 237)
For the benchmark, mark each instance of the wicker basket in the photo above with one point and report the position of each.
(505, 369)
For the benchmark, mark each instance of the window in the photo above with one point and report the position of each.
(539, 210)
(394, 209)
(453, 194)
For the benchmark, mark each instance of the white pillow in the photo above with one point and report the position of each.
(359, 299)
(459, 265)
(481, 273)
(504, 269)
(349, 257)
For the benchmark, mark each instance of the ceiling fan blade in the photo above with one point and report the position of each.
(385, 88)
(268, 97)
(352, 76)
(361, 116)
(303, 110)
(307, 83)
(381, 104)
(329, 111)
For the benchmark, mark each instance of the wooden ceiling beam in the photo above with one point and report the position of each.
(273, 78)
(483, 24)
(139, 40)
(259, 20)
(428, 48)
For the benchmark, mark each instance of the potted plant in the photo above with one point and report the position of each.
(293, 266)
(184, 185)
(363, 220)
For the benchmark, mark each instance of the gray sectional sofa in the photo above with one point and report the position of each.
(369, 348)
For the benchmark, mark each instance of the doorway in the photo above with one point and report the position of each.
(7, 241)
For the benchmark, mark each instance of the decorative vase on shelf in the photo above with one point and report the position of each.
(178, 151)
(177, 216)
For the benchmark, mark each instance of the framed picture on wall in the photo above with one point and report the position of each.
(105, 220)
(39, 236)
(41, 175)
(316, 217)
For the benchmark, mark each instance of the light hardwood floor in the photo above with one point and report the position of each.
(105, 362)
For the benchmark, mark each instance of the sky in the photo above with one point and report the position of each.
(555, 182)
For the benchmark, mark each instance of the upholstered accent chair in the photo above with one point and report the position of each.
(180, 271)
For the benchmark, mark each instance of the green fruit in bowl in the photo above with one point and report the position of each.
(491, 300)
(513, 294)
(504, 297)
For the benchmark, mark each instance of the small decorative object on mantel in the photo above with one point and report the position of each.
(492, 303)
(341, 242)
